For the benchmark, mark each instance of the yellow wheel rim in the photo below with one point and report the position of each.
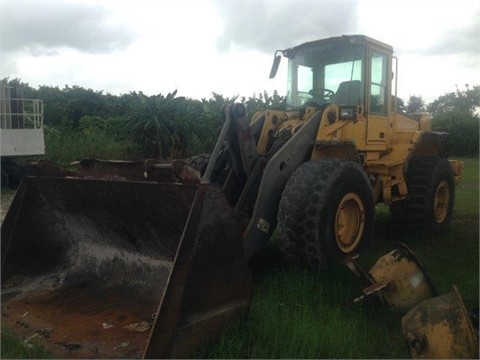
(441, 202)
(349, 222)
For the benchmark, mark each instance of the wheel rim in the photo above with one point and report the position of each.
(441, 202)
(349, 222)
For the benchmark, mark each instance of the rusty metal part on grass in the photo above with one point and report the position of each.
(121, 269)
(398, 278)
(440, 328)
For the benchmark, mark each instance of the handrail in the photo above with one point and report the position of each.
(18, 113)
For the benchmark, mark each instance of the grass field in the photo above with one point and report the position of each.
(306, 314)
(13, 348)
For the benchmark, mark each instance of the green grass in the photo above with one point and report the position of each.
(67, 145)
(306, 314)
(302, 314)
(13, 348)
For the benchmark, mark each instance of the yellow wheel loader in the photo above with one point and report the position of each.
(144, 259)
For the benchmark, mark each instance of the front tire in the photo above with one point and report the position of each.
(326, 212)
(431, 195)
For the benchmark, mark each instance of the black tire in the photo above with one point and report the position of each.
(220, 170)
(199, 162)
(431, 195)
(310, 208)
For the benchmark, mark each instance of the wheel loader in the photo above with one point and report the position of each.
(145, 259)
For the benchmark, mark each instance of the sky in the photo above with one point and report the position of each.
(200, 47)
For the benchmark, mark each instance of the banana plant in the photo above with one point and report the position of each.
(166, 125)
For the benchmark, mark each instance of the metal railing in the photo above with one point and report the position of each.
(21, 113)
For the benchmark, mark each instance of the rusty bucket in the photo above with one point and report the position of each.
(402, 280)
(398, 279)
(121, 269)
(440, 328)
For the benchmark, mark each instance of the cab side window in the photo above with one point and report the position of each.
(378, 83)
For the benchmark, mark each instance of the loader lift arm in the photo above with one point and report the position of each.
(262, 178)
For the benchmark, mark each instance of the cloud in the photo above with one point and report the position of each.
(463, 40)
(42, 27)
(267, 25)
(424, 28)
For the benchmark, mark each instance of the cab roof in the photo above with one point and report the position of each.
(345, 39)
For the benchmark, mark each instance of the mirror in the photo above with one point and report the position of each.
(276, 63)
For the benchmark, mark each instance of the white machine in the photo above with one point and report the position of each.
(21, 129)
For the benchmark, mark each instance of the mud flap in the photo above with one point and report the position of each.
(119, 269)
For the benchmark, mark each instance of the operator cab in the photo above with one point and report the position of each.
(345, 70)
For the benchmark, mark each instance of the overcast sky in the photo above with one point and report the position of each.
(227, 47)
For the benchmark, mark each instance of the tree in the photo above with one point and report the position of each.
(465, 101)
(398, 103)
(415, 104)
(457, 113)
(462, 129)
(263, 102)
(16, 83)
(167, 126)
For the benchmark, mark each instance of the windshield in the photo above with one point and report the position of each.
(323, 74)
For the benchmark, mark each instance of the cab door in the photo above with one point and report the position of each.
(378, 106)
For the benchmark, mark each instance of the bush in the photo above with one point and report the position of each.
(463, 131)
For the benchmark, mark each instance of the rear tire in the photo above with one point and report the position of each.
(326, 212)
(431, 195)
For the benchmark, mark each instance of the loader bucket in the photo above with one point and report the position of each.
(406, 281)
(119, 269)
(441, 328)
(398, 279)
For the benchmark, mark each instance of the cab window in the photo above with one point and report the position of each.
(378, 84)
